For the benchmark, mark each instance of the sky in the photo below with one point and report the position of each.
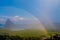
(47, 11)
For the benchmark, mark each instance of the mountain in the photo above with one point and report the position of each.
(9, 24)
(21, 25)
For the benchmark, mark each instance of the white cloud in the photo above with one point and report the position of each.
(17, 18)
(21, 18)
(12, 18)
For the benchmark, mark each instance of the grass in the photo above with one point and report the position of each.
(27, 33)
(24, 33)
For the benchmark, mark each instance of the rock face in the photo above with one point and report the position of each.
(9, 24)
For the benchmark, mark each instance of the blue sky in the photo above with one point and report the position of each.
(42, 10)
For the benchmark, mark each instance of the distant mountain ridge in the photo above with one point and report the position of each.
(10, 25)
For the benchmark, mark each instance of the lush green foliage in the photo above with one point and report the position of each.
(28, 35)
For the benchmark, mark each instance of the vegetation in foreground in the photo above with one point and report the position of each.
(27, 35)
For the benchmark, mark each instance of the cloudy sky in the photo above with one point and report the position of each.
(47, 11)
